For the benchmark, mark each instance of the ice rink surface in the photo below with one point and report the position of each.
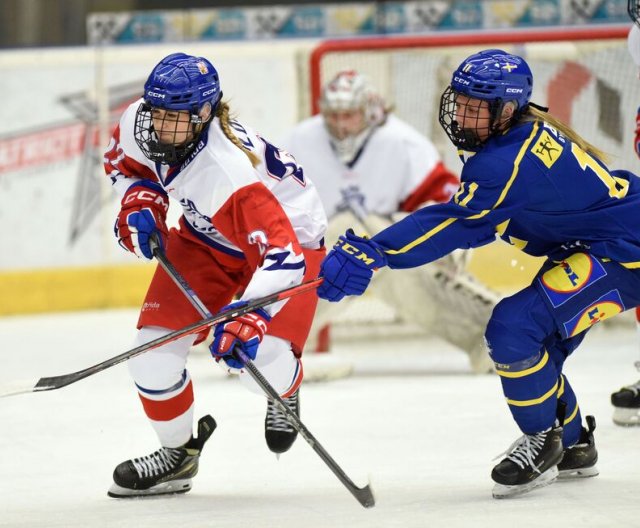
(412, 418)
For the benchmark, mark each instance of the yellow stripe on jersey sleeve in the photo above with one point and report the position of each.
(481, 214)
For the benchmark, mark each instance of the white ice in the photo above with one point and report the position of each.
(425, 434)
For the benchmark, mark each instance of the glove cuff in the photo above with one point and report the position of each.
(154, 186)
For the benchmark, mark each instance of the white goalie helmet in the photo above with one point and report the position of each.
(351, 109)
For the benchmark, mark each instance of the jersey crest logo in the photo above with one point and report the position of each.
(547, 149)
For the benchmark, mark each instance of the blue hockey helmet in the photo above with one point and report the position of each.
(178, 83)
(183, 82)
(494, 76)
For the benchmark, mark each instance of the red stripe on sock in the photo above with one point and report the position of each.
(296, 381)
(165, 410)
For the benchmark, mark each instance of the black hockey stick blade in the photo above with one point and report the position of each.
(57, 382)
(363, 495)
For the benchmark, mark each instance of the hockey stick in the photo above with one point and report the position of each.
(363, 495)
(57, 382)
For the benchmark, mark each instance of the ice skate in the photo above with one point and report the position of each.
(166, 471)
(580, 459)
(626, 405)
(531, 462)
(278, 432)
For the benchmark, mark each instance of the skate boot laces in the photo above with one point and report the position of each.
(523, 451)
(277, 420)
(158, 463)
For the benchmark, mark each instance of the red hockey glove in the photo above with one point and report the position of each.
(636, 143)
(143, 213)
(245, 330)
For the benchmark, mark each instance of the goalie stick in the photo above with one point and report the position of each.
(363, 495)
(57, 382)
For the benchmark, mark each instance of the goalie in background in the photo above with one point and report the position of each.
(626, 401)
(370, 167)
(536, 183)
(251, 225)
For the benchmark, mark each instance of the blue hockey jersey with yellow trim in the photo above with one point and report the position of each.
(538, 191)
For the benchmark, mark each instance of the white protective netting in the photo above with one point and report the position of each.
(585, 75)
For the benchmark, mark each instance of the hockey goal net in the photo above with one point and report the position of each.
(585, 75)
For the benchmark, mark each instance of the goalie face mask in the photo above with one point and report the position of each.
(351, 110)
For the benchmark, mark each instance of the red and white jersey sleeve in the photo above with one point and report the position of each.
(123, 161)
(397, 169)
(264, 214)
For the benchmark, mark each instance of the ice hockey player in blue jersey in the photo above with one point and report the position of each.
(538, 185)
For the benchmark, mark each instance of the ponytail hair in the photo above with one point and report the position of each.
(536, 113)
(223, 114)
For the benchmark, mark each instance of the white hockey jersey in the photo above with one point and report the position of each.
(398, 169)
(264, 214)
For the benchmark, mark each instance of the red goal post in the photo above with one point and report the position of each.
(584, 74)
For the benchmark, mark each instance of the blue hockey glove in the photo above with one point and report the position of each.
(348, 268)
(245, 330)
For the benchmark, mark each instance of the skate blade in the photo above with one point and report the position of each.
(626, 417)
(567, 474)
(500, 491)
(166, 488)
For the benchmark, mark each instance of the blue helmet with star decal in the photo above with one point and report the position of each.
(494, 75)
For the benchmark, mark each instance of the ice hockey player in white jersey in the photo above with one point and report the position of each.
(626, 401)
(370, 166)
(251, 225)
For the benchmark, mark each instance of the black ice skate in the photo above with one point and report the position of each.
(626, 405)
(531, 462)
(580, 459)
(278, 432)
(167, 471)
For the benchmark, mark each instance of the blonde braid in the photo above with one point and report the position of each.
(222, 113)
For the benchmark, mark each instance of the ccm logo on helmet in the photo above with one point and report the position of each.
(461, 80)
(156, 94)
(513, 90)
(208, 92)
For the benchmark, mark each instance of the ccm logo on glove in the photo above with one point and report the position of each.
(358, 253)
(143, 214)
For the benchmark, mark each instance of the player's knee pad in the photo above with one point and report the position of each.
(518, 327)
(162, 368)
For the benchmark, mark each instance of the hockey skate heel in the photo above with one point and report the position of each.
(626, 405)
(166, 471)
(579, 460)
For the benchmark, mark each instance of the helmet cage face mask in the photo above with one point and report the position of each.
(168, 152)
(494, 76)
(468, 138)
(178, 83)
